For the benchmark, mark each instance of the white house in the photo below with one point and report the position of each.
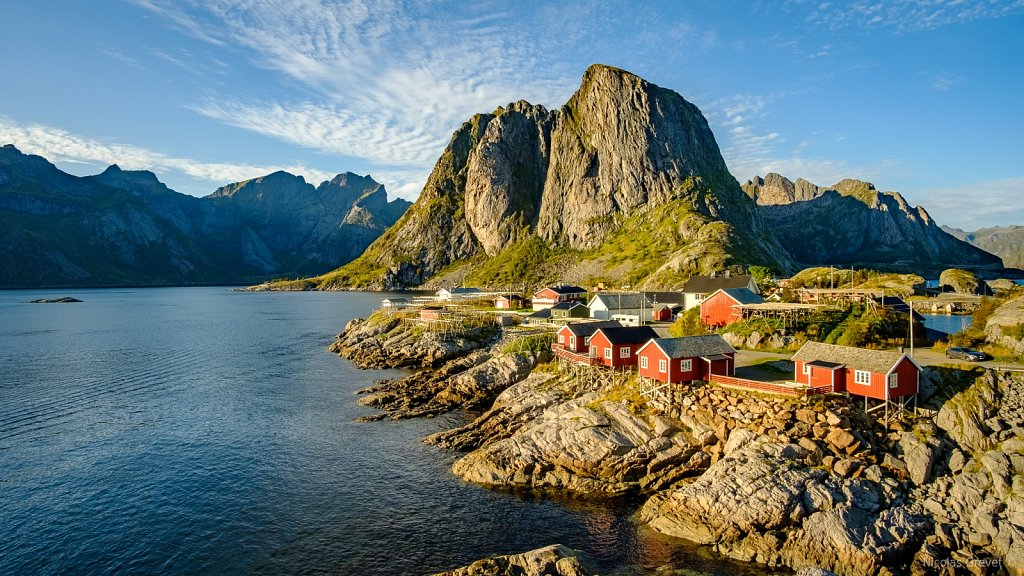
(698, 288)
(446, 294)
(630, 308)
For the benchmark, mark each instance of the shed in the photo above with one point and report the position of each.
(608, 304)
(720, 309)
(508, 301)
(396, 302)
(550, 295)
(699, 288)
(433, 312)
(573, 309)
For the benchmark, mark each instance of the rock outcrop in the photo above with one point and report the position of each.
(554, 560)
(962, 282)
(385, 341)
(761, 504)
(621, 155)
(852, 224)
(1005, 326)
(127, 228)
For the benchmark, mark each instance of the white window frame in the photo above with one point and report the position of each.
(625, 352)
(643, 362)
(862, 377)
(807, 369)
(686, 365)
(561, 338)
(894, 380)
(608, 353)
(662, 366)
(586, 341)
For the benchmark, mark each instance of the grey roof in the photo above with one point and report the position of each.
(398, 299)
(624, 300)
(825, 364)
(707, 284)
(743, 296)
(542, 313)
(463, 290)
(694, 346)
(878, 361)
(629, 334)
(585, 329)
(665, 297)
(565, 289)
(568, 305)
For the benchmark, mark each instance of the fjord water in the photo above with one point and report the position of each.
(202, 431)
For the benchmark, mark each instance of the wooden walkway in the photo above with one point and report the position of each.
(792, 390)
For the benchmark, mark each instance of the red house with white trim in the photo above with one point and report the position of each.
(877, 374)
(686, 359)
(617, 347)
(550, 295)
(718, 309)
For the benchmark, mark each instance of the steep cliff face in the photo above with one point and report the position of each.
(127, 228)
(623, 156)
(1007, 242)
(853, 224)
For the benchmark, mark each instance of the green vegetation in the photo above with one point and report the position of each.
(688, 324)
(518, 263)
(764, 277)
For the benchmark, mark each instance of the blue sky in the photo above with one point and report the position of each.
(920, 97)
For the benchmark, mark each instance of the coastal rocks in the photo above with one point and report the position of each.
(386, 341)
(759, 341)
(760, 504)
(468, 382)
(1004, 325)
(61, 300)
(518, 405)
(587, 445)
(962, 282)
(921, 450)
(963, 416)
(554, 560)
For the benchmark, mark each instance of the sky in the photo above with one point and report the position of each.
(921, 97)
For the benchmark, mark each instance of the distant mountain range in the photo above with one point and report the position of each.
(127, 228)
(1007, 242)
(625, 184)
(852, 224)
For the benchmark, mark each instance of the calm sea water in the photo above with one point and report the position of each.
(947, 323)
(200, 431)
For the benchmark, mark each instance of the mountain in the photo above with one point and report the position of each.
(127, 228)
(1007, 242)
(624, 183)
(852, 224)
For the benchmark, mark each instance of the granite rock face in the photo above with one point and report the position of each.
(619, 147)
(554, 560)
(852, 223)
(1003, 326)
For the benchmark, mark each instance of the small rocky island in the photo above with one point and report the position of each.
(759, 478)
(61, 300)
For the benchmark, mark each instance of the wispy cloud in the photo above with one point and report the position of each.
(907, 15)
(986, 203)
(943, 81)
(60, 146)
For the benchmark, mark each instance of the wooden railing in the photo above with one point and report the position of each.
(577, 357)
(797, 390)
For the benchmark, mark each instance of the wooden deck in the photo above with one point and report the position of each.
(793, 390)
(576, 357)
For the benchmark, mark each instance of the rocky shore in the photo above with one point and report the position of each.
(554, 560)
(781, 482)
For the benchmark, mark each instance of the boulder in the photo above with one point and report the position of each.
(554, 560)
(920, 453)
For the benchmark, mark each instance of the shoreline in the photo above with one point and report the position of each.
(542, 430)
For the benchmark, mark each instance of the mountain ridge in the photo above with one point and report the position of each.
(561, 186)
(124, 227)
(1007, 242)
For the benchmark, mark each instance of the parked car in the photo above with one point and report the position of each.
(969, 354)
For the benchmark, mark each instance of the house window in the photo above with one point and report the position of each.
(608, 353)
(807, 369)
(862, 377)
(624, 352)
(894, 380)
(561, 339)
(572, 342)
(662, 366)
(643, 361)
(587, 341)
(686, 365)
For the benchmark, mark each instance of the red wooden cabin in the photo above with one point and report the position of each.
(616, 347)
(718, 309)
(549, 296)
(877, 374)
(686, 359)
